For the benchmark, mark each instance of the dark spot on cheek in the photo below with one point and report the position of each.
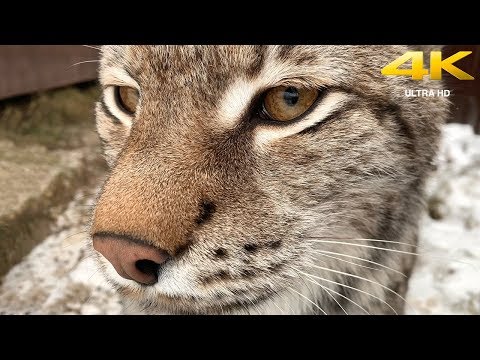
(222, 275)
(247, 273)
(250, 247)
(274, 267)
(183, 247)
(275, 244)
(219, 275)
(221, 253)
(352, 170)
(207, 209)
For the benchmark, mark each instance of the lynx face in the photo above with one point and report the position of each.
(278, 179)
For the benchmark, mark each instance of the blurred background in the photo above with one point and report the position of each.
(51, 167)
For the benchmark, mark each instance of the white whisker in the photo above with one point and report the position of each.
(333, 297)
(84, 62)
(365, 279)
(343, 296)
(351, 287)
(287, 303)
(312, 293)
(278, 307)
(328, 290)
(369, 240)
(310, 301)
(393, 250)
(364, 246)
(361, 259)
(346, 261)
(254, 305)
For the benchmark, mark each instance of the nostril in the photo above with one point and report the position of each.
(148, 267)
(132, 259)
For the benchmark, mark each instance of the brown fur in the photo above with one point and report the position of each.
(238, 218)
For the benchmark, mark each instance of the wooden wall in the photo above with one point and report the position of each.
(25, 69)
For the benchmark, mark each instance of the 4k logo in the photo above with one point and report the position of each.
(417, 71)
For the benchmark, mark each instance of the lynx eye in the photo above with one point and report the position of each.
(286, 103)
(127, 98)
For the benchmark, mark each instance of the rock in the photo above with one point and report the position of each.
(35, 185)
(48, 149)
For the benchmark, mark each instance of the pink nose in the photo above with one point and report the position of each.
(132, 260)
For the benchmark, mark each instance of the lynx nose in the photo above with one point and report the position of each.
(132, 260)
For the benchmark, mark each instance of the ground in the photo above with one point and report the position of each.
(59, 276)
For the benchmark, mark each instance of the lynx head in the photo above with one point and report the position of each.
(249, 178)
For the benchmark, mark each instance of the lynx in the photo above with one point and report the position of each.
(261, 179)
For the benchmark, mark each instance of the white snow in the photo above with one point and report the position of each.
(59, 277)
(446, 279)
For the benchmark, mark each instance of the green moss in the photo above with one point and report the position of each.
(52, 118)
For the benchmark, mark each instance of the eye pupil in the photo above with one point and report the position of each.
(291, 96)
(286, 103)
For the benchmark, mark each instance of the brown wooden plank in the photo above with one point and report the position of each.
(29, 68)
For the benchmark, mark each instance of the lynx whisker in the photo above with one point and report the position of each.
(394, 251)
(84, 62)
(352, 288)
(365, 279)
(328, 290)
(346, 261)
(279, 308)
(366, 239)
(362, 259)
(306, 298)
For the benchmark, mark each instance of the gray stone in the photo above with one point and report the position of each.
(35, 186)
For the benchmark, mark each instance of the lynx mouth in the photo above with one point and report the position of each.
(225, 301)
(167, 304)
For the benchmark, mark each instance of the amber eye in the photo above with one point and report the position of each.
(285, 103)
(127, 98)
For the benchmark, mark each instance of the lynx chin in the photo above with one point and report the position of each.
(261, 179)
